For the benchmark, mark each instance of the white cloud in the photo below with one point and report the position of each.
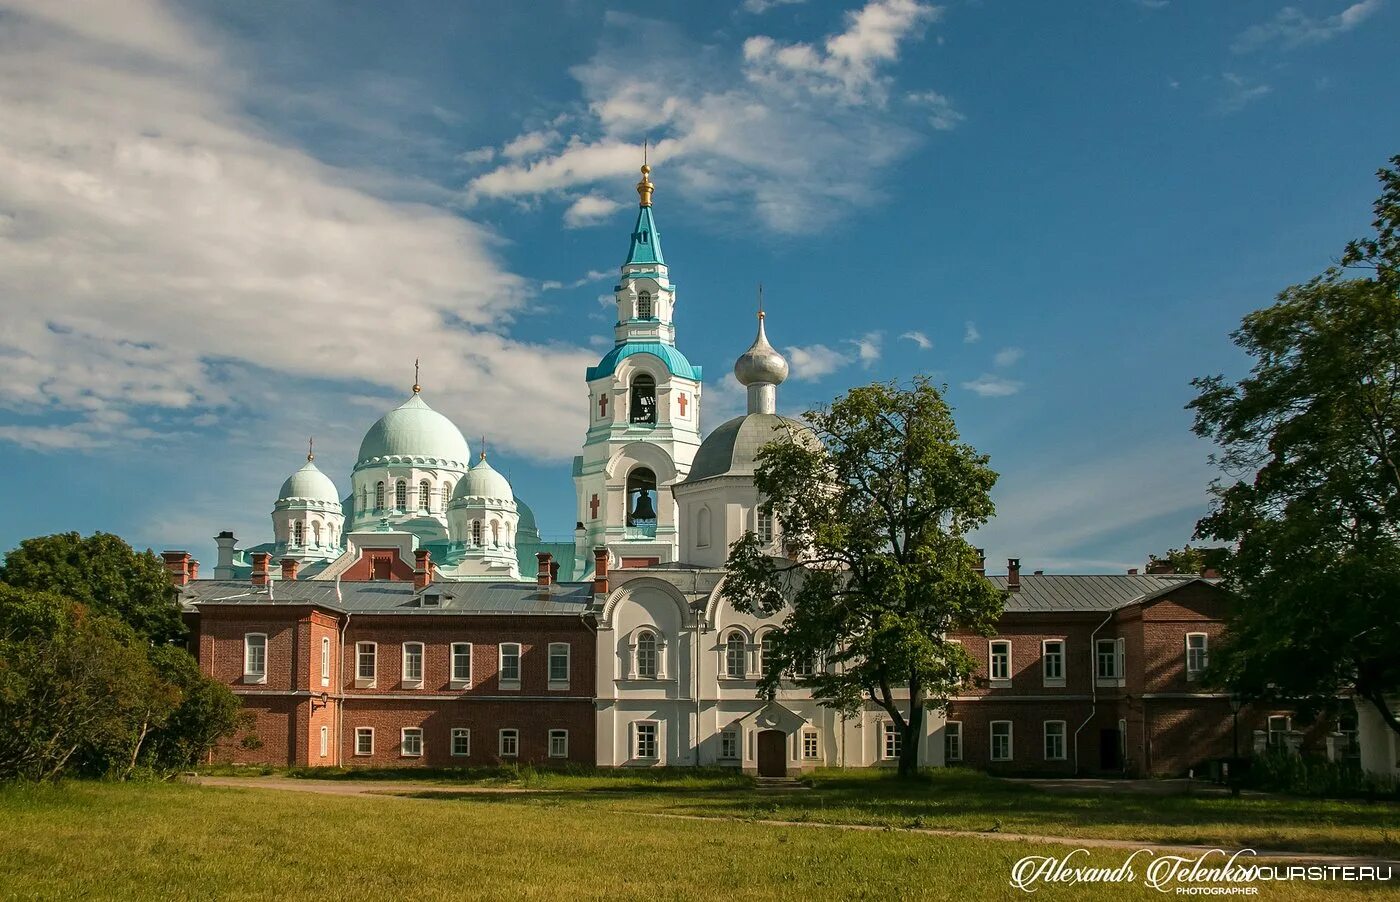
(162, 255)
(1008, 356)
(529, 144)
(769, 134)
(590, 209)
(970, 334)
(758, 7)
(868, 347)
(918, 338)
(942, 115)
(593, 275)
(1291, 27)
(478, 156)
(815, 361)
(989, 385)
(1239, 93)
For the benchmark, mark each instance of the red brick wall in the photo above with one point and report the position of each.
(437, 718)
(1026, 632)
(362, 570)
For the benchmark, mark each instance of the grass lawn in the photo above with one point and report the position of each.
(144, 841)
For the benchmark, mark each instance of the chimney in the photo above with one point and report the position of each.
(422, 569)
(1132, 571)
(981, 562)
(1208, 573)
(261, 559)
(545, 561)
(194, 570)
(1013, 574)
(177, 564)
(289, 568)
(223, 564)
(1156, 568)
(1039, 573)
(600, 570)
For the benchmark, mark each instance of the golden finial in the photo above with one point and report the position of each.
(416, 387)
(760, 301)
(311, 449)
(645, 187)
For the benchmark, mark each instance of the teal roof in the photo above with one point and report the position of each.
(416, 431)
(646, 241)
(309, 484)
(676, 362)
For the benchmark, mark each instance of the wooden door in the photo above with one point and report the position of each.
(772, 753)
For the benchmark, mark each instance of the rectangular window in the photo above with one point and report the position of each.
(1000, 661)
(366, 656)
(461, 742)
(510, 665)
(729, 745)
(1054, 740)
(809, 744)
(1108, 655)
(508, 743)
(558, 743)
(461, 665)
(411, 742)
(559, 665)
(364, 740)
(325, 741)
(413, 664)
(1278, 728)
(952, 741)
(892, 742)
(1001, 740)
(765, 528)
(1052, 659)
(645, 740)
(1197, 655)
(255, 658)
(325, 660)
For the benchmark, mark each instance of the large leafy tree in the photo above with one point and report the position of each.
(104, 573)
(1310, 444)
(878, 571)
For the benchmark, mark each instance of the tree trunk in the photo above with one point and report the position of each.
(913, 736)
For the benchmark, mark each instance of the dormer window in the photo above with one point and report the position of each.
(432, 599)
(644, 305)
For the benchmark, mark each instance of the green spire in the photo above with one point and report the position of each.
(646, 240)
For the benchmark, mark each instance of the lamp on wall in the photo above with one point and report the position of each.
(320, 701)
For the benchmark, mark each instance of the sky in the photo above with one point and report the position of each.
(225, 228)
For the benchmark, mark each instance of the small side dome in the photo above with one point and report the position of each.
(732, 448)
(482, 481)
(761, 363)
(526, 525)
(309, 484)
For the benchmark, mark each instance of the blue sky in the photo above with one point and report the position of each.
(225, 227)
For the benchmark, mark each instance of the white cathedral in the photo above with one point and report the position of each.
(658, 505)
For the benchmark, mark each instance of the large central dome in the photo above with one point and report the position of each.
(414, 433)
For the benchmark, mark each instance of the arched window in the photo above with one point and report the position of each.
(644, 305)
(446, 494)
(316, 534)
(495, 533)
(379, 496)
(476, 532)
(298, 533)
(646, 654)
(364, 498)
(734, 648)
(702, 528)
(400, 495)
(641, 499)
(765, 654)
(643, 399)
(425, 496)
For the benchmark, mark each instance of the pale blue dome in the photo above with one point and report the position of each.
(309, 484)
(414, 433)
(483, 481)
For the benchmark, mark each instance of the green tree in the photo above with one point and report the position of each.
(878, 571)
(205, 712)
(1190, 560)
(104, 573)
(1310, 445)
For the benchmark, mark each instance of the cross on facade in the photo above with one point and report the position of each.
(602, 405)
(683, 402)
(593, 507)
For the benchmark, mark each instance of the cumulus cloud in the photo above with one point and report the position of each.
(590, 209)
(918, 338)
(868, 347)
(989, 385)
(815, 361)
(163, 259)
(1008, 357)
(529, 144)
(970, 334)
(767, 132)
(1291, 28)
(758, 7)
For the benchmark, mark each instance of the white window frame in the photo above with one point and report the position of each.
(763, 642)
(563, 736)
(410, 682)
(1269, 731)
(514, 735)
(554, 647)
(466, 736)
(509, 685)
(811, 745)
(362, 681)
(325, 660)
(654, 728)
(1117, 679)
(992, 654)
(249, 674)
(654, 671)
(1045, 740)
(416, 732)
(891, 743)
(992, 741)
(1053, 682)
(724, 670)
(729, 744)
(325, 741)
(456, 652)
(1202, 653)
(952, 741)
(364, 733)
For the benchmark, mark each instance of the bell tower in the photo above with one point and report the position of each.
(644, 414)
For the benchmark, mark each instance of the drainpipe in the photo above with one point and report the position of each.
(340, 708)
(1093, 687)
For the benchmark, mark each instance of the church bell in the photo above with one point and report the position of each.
(644, 509)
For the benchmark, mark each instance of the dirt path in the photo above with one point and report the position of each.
(403, 789)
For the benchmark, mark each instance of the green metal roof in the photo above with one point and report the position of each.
(646, 240)
(676, 362)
